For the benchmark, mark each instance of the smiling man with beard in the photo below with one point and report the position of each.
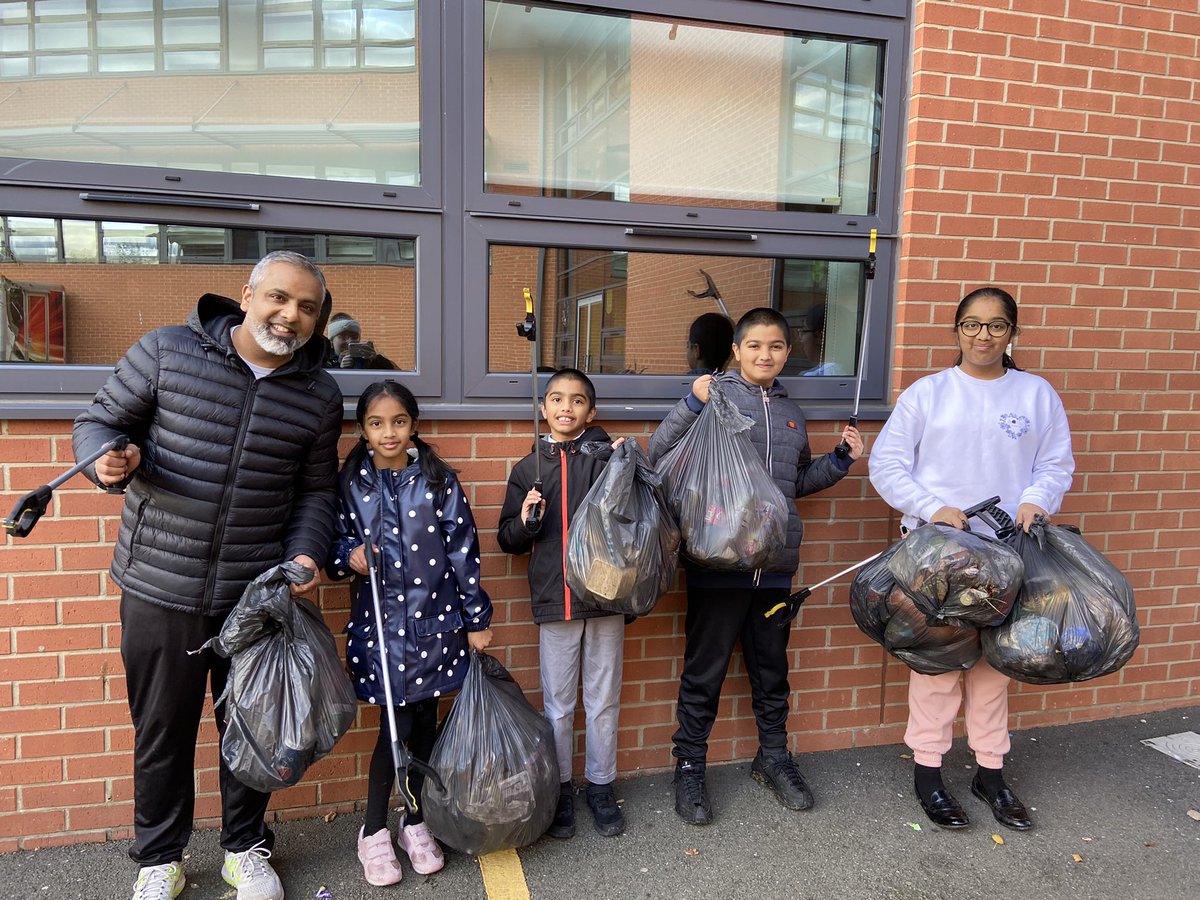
(231, 469)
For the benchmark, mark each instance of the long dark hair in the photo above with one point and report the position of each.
(1010, 310)
(434, 469)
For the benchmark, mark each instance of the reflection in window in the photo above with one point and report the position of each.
(122, 95)
(117, 280)
(633, 108)
(609, 312)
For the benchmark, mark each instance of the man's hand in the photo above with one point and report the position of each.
(117, 465)
(310, 586)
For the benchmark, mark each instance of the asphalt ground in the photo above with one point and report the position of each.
(1111, 822)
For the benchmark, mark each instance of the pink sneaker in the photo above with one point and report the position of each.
(422, 849)
(378, 858)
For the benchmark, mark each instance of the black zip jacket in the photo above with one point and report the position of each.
(568, 471)
(237, 475)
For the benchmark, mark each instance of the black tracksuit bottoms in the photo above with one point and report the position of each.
(716, 619)
(166, 697)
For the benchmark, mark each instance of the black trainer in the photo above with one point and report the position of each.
(563, 826)
(779, 772)
(691, 795)
(606, 814)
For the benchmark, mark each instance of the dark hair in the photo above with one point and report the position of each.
(762, 315)
(433, 467)
(1010, 311)
(566, 372)
(713, 334)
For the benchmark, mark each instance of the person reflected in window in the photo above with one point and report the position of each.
(349, 350)
(810, 340)
(710, 341)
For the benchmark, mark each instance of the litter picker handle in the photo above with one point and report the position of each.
(535, 513)
(528, 330)
(842, 450)
(33, 506)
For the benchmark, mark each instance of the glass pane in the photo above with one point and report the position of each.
(372, 280)
(61, 65)
(357, 118)
(32, 239)
(60, 35)
(14, 38)
(288, 27)
(79, 241)
(191, 30)
(59, 7)
(613, 98)
(126, 62)
(128, 242)
(124, 6)
(607, 313)
(125, 33)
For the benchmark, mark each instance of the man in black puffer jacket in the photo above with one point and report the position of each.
(231, 469)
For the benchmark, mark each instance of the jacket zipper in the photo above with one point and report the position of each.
(563, 492)
(226, 496)
(766, 401)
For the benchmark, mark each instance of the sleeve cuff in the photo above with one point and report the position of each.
(693, 403)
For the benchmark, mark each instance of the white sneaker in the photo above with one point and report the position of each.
(159, 882)
(252, 875)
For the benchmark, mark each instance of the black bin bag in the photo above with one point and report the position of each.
(288, 699)
(731, 514)
(623, 543)
(888, 616)
(1074, 618)
(496, 763)
(956, 576)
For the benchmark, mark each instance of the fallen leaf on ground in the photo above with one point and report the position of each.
(1194, 814)
(330, 816)
(1076, 857)
(691, 851)
(913, 825)
(1086, 840)
(999, 840)
(906, 756)
(1149, 844)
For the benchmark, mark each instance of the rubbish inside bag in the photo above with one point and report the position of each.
(731, 514)
(887, 615)
(288, 699)
(496, 761)
(1074, 618)
(622, 544)
(956, 576)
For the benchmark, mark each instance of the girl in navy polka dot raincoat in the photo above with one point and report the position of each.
(396, 489)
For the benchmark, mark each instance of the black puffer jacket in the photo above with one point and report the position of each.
(237, 475)
(568, 472)
(781, 439)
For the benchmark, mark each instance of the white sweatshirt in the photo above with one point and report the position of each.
(954, 440)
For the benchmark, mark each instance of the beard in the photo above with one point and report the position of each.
(272, 344)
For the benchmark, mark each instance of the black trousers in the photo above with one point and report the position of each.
(416, 726)
(716, 620)
(166, 697)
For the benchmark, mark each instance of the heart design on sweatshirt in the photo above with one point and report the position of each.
(1014, 425)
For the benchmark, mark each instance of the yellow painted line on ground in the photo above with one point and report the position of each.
(503, 877)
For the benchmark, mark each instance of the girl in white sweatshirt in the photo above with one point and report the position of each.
(979, 429)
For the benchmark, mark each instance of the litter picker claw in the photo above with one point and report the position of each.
(33, 505)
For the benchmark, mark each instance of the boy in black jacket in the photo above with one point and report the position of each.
(572, 458)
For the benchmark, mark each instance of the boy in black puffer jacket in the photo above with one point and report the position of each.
(724, 607)
(572, 458)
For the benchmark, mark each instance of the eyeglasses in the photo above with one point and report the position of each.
(996, 327)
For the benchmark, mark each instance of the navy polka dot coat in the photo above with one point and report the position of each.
(429, 582)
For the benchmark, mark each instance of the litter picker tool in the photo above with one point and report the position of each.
(843, 449)
(528, 330)
(33, 505)
(711, 291)
(401, 758)
(987, 510)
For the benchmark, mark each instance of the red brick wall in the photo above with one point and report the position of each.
(1051, 151)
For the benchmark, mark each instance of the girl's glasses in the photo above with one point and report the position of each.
(996, 327)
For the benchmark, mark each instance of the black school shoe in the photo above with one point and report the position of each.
(943, 810)
(563, 826)
(606, 815)
(691, 796)
(780, 773)
(1008, 810)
